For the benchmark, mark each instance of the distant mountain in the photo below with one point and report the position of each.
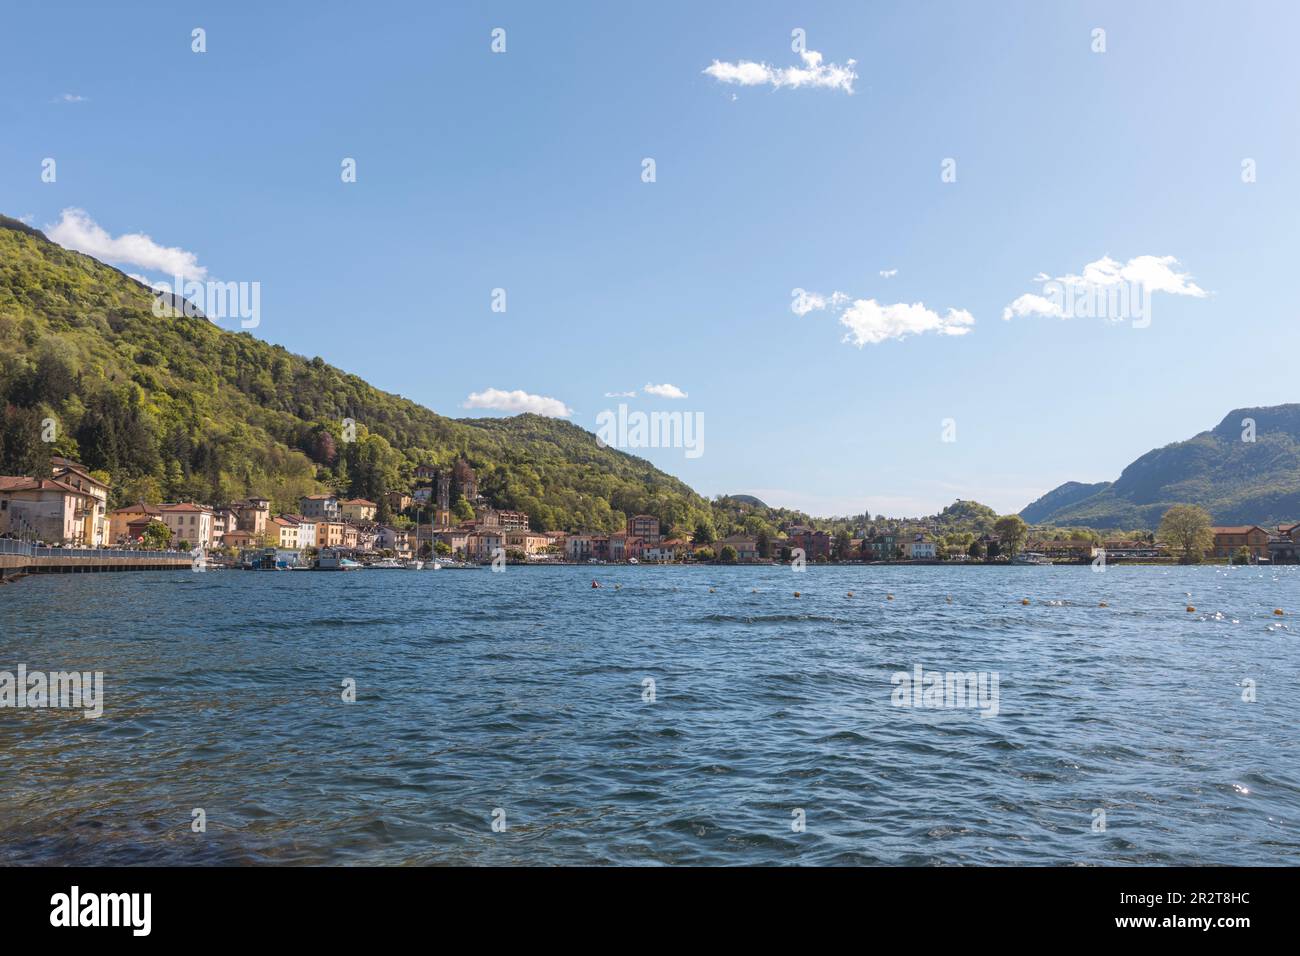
(1237, 480)
(1061, 498)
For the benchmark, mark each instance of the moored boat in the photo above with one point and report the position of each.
(332, 560)
(1031, 557)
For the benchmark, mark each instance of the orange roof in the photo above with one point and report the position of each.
(1237, 529)
(359, 501)
(24, 483)
(186, 506)
(79, 472)
(138, 508)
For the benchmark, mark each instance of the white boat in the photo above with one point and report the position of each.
(331, 560)
(387, 564)
(1031, 557)
(413, 565)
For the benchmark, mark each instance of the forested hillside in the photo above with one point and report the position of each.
(176, 408)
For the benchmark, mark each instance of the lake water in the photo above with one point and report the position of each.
(771, 733)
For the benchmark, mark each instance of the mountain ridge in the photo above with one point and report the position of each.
(1244, 470)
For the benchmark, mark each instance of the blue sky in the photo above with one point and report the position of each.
(523, 171)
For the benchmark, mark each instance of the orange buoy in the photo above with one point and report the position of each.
(1024, 600)
(1277, 611)
(889, 597)
(1103, 604)
(850, 594)
(796, 594)
(1190, 609)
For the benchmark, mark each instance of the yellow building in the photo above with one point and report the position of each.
(95, 526)
(358, 509)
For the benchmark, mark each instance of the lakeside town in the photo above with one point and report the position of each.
(68, 509)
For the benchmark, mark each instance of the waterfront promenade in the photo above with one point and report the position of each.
(23, 557)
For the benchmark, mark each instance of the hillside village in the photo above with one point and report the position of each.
(69, 508)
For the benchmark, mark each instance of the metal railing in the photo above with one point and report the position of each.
(28, 549)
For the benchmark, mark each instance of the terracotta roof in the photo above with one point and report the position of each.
(24, 483)
(318, 497)
(359, 501)
(1236, 529)
(138, 508)
(186, 507)
(79, 472)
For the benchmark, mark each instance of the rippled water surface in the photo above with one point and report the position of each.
(524, 691)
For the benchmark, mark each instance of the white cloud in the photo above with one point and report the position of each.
(631, 394)
(1150, 273)
(1032, 304)
(664, 391)
(812, 74)
(870, 322)
(76, 230)
(888, 273)
(805, 302)
(72, 98)
(518, 401)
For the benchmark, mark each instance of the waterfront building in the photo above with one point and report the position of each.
(881, 547)
(1228, 538)
(189, 523)
(393, 539)
(46, 510)
(238, 540)
(815, 544)
(746, 546)
(919, 549)
(94, 531)
(586, 547)
(252, 515)
(481, 545)
(529, 542)
(119, 520)
(287, 532)
(329, 534)
(454, 538)
(645, 527)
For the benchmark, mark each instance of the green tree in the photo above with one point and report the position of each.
(156, 535)
(843, 545)
(727, 555)
(1012, 532)
(1186, 530)
(703, 533)
(704, 554)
